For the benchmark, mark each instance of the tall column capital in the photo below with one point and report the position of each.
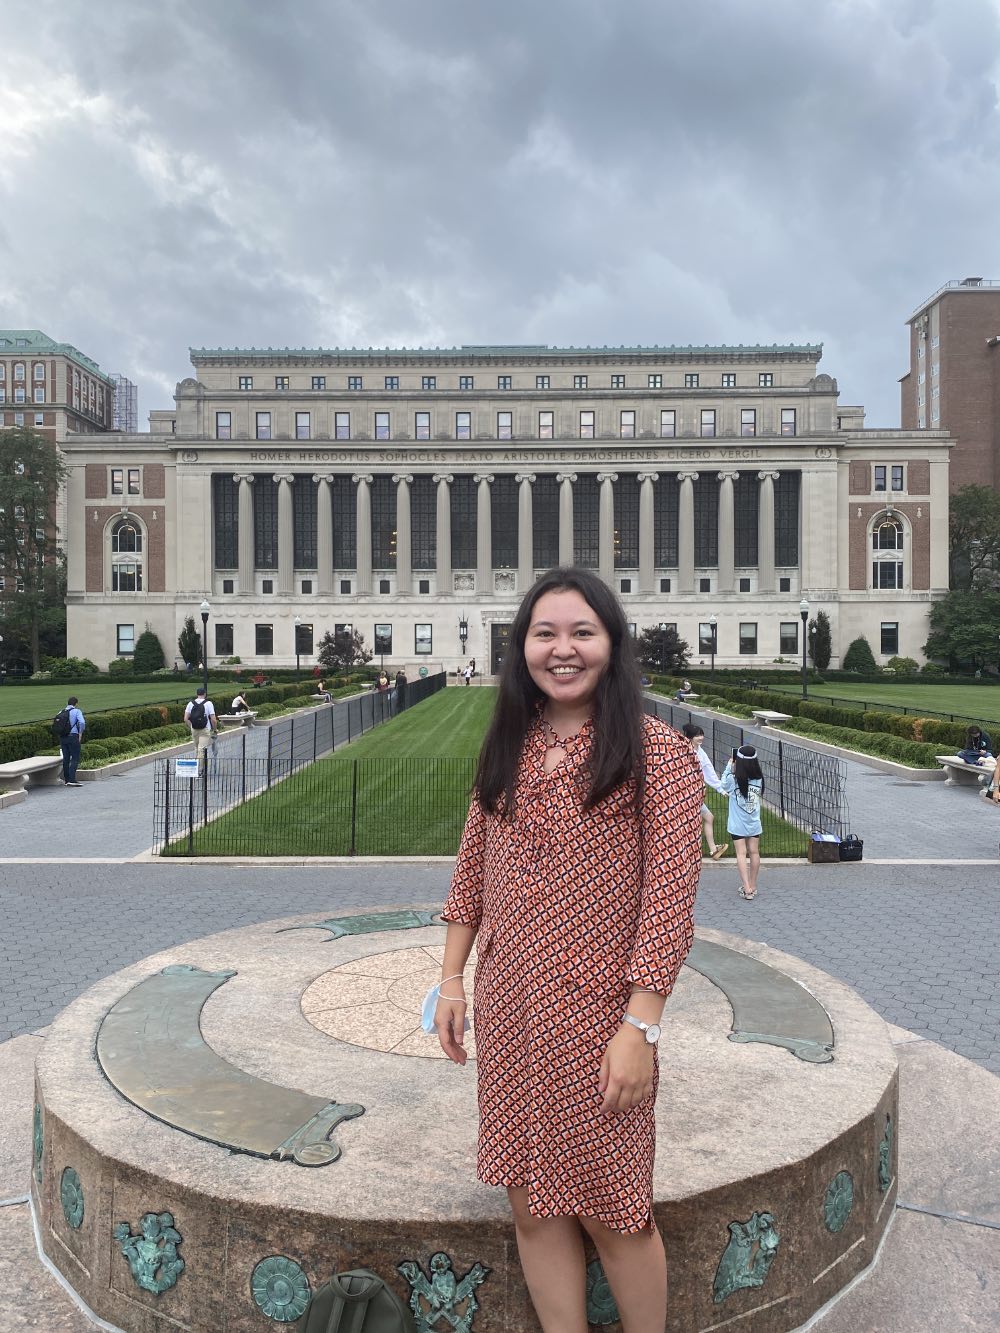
(446, 477)
(365, 477)
(483, 477)
(763, 476)
(688, 476)
(727, 476)
(522, 477)
(565, 476)
(243, 476)
(322, 476)
(647, 476)
(283, 476)
(602, 477)
(402, 476)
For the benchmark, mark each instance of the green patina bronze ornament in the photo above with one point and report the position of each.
(369, 923)
(436, 1299)
(39, 1142)
(601, 1307)
(152, 1254)
(839, 1201)
(885, 1157)
(280, 1289)
(747, 1259)
(71, 1195)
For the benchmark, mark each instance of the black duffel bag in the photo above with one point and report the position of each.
(851, 848)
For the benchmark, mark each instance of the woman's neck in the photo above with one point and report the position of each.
(566, 721)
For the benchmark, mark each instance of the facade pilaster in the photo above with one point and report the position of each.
(939, 525)
(647, 481)
(286, 539)
(364, 532)
(606, 526)
(727, 532)
(324, 537)
(685, 532)
(443, 480)
(404, 559)
(246, 533)
(484, 532)
(565, 480)
(765, 532)
(525, 524)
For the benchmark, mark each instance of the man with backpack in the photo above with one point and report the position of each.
(200, 717)
(68, 725)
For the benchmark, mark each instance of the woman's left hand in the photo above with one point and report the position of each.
(626, 1071)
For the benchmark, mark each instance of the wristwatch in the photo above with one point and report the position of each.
(651, 1031)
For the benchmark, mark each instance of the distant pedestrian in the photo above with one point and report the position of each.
(696, 736)
(400, 690)
(468, 674)
(200, 717)
(743, 783)
(71, 739)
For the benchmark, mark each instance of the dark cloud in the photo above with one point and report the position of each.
(328, 173)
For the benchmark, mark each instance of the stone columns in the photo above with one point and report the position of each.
(727, 533)
(364, 534)
(404, 571)
(606, 526)
(685, 532)
(647, 481)
(765, 532)
(444, 480)
(286, 540)
(324, 537)
(484, 533)
(246, 532)
(938, 522)
(565, 480)
(525, 540)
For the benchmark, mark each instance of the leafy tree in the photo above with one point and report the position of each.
(339, 652)
(31, 472)
(904, 666)
(965, 626)
(974, 541)
(820, 642)
(859, 657)
(189, 643)
(148, 655)
(662, 650)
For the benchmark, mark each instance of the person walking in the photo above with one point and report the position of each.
(743, 782)
(576, 876)
(71, 741)
(400, 690)
(468, 673)
(696, 736)
(200, 717)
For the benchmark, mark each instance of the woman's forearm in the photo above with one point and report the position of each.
(457, 947)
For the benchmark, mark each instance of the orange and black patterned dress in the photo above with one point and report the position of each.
(573, 908)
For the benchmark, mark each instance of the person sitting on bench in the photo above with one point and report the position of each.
(239, 705)
(978, 746)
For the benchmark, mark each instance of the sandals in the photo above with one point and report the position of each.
(719, 851)
(747, 897)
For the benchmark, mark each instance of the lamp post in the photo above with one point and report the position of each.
(713, 624)
(297, 623)
(205, 609)
(804, 613)
(463, 630)
(663, 648)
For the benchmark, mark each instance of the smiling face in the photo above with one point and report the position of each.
(567, 649)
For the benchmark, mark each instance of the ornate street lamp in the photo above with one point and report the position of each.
(205, 610)
(713, 624)
(463, 630)
(804, 613)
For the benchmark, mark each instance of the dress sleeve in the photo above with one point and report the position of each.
(671, 863)
(465, 898)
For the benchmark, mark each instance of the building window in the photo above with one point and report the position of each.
(626, 585)
(664, 585)
(246, 381)
(18, 418)
(383, 639)
(267, 586)
(264, 640)
(383, 586)
(223, 425)
(887, 545)
(133, 481)
(38, 371)
(586, 425)
(505, 429)
(788, 640)
(728, 380)
(748, 639)
(704, 585)
(19, 371)
(668, 423)
(342, 425)
(228, 586)
(428, 382)
(423, 640)
(39, 418)
(39, 395)
(223, 640)
(879, 477)
(706, 637)
(586, 521)
(691, 380)
(422, 426)
(281, 381)
(618, 381)
(503, 381)
(463, 425)
(19, 393)
(307, 587)
(423, 522)
(897, 477)
(126, 549)
(765, 379)
(382, 425)
(541, 381)
(355, 383)
(345, 587)
(546, 425)
(626, 424)
(744, 585)
(707, 422)
(466, 382)
(3, 394)
(889, 646)
(788, 421)
(392, 381)
(785, 585)
(423, 586)
(654, 381)
(383, 502)
(263, 425)
(545, 521)
(125, 640)
(117, 481)
(303, 429)
(579, 381)
(748, 421)
(319, 382)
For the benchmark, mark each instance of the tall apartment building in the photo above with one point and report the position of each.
(125, 404)
(953, 383)
(415, 494)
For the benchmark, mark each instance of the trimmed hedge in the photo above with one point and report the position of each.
(881, 744)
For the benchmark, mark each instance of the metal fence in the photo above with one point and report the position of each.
(244, 765)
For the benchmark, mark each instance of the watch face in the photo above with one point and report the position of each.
(653, 1033)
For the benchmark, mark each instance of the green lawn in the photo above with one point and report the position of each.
(33, 703)
(975, 702)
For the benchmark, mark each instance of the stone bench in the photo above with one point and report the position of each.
(39, 771)
(767, 717)
(961, 774)
(236, 719)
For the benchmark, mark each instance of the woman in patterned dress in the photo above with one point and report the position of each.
(577, 874)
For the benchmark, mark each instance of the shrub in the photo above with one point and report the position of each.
(148, 655)
(68, 668)
(903, 666)
(941, 733)
(933, 669)
(859, 657)
(878, 743)
(121, 666)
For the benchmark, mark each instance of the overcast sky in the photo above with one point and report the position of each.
(316, 173)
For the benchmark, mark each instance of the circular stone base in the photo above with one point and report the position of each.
(773, 1181)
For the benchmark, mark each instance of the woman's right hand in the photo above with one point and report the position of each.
(449, 1017)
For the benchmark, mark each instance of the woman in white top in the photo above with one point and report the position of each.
(696, 735)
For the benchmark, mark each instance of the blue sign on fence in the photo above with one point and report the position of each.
(186, 767)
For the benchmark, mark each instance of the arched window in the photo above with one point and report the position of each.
(126, 556)
(887, 552)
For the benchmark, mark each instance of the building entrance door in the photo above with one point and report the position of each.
(499, 643)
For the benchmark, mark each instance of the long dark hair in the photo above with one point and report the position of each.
(973, 737)
(617, 752)
(746, 765)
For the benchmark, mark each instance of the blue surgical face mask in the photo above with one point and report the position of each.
(429, 1006)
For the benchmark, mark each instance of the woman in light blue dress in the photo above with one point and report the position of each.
(743, 782)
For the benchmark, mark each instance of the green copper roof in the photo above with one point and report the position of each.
(41, 344)
(529, 350)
